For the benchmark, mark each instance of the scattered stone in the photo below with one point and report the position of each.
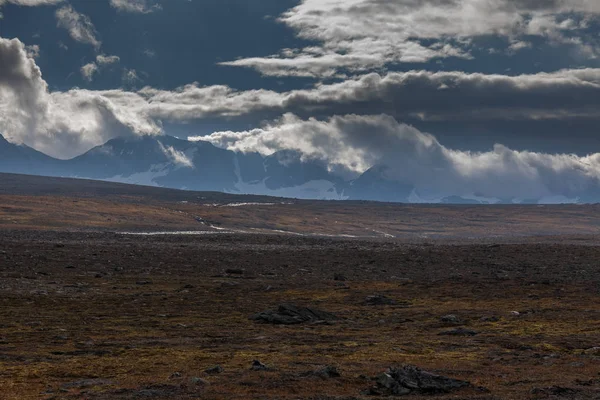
(412, 380)
(234, 271)
(176, 375)
(258, 366)
(451, 319)
(589, 382)
(195, 381)
(379, 300)
(340, 277)
(577, 364)
(217, 369)
(459, 332)
(594, 351)
(515, 313)
(287, 314)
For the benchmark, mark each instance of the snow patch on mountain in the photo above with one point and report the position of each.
(317, 189)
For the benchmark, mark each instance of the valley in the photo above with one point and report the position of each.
(112, 291)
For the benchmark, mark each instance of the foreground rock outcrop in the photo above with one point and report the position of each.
(409, 379)
(287, 314)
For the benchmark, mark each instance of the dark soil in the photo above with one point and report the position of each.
(108, 316)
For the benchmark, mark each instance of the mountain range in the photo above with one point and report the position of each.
(170, 162)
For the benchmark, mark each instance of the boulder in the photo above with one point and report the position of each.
(378, 300)
(258, 366)
(287, 314)
(451, 319)
(409, 379)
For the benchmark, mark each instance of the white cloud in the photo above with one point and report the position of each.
(134, 6)
(88, 71)
(62, 124)
(130, 76)
(31, 3)
(357, 143)
(103, 59)
(177, 157)
(362, 35)
(67, 123)
(80, 26)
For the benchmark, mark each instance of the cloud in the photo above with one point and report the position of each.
(61, 124)
(31, 3)
(103, 59)
(88, 71)
(67, 123)
(134, 6)
(364, 35)
(177, 157)
(130, 76)
(452, 96)
(356, 143)
(80, 26)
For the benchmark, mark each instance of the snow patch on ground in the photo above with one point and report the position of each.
(482, 199)
(143, 178)
(558, 200)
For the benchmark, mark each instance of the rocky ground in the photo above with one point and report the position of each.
(110, 316)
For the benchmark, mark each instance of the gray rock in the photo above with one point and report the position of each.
(412, 380)
(195, 381)
(287, 314)
(258, 366)
(379, 299)
(217, 369)
(451, 319)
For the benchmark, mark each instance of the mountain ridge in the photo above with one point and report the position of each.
(170, 162)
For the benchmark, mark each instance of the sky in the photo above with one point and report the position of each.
(479, 87)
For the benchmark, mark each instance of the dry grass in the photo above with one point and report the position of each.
(95, 321)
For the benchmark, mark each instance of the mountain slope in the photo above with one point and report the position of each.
(23, 159)
(169, 162)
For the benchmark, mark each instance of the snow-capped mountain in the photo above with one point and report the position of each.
(170, 162)
(174, 163)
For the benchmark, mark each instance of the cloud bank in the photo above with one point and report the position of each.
(364, 35)
(65, 124)
(61, 124)
(134, 6)
(356, 143)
